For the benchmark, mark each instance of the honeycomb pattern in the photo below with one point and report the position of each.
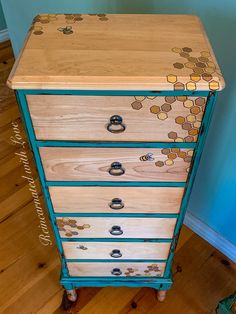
(150, 271)
(68, 225)
(172, 154)
(101, 17)
(190, 123)
(202, 69)
(69, 19)
(72, 18)
(42, 19)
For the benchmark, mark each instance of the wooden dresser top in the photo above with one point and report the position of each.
(116, 52)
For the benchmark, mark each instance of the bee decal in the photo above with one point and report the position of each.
(66, 30)
(147, 157)
(82, 247)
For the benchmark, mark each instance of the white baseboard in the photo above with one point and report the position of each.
(208, 234)
(4, 35)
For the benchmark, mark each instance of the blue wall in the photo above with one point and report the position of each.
(214, 195)
(2, 19)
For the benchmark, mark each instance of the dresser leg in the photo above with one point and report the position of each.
(161, 295)
(71, 295)
(68, 299)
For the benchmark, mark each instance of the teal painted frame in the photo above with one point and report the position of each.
(165, 282)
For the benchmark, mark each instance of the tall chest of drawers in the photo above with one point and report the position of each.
(116, 108)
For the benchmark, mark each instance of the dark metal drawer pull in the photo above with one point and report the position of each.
(116, 203)
(116, 169)
(116, 231)
(116, 272)
(116, 253)
(116, 124)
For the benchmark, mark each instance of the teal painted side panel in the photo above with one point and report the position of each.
(2, 19)
(213, 197)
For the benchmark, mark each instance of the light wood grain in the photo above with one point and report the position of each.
(93, 164)
(105, 269)
(58, 117)
(124, 52)
(98, 199)
(103, 250)
(93, 227)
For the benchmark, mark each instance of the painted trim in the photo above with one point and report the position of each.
(211, 236)
(31, 136)
(113, 93)
(112, 215)
(211, 101)
(151, 282)
(115, 261)
(115, 240)
(117, 144)
(110, 183)
(4, 36)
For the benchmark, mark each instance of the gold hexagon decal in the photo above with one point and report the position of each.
(191, 86)
(214, 85)
(171, 78)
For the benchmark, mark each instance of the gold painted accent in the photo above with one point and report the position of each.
(191, 86)
(86, 226)
(195, 110)
(182, 98)
(180, 120)
(176, 50)
(191, 118)
(155, 109)
(195, 77)
(213, 85)
(189, 65)
(193, 132)
(162, 116)
(209, 70)
(169, 162)
(171, 78)
(188, 103)
(205, 54)
(197, 124)
(139, 98)
(172, 156)
(182, 154)
(179, 139)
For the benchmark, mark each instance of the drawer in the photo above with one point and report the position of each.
(116, 250)
(116, 269)
(106, 227)
(140, 118)
(117, 199)
(115, 164)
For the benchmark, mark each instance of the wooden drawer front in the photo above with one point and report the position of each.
(97, 164)
(89, 199)
(116, 269)
(116, 250)
(168, 119)
(105, 227)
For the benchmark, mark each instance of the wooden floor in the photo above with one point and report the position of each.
(29, 271)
